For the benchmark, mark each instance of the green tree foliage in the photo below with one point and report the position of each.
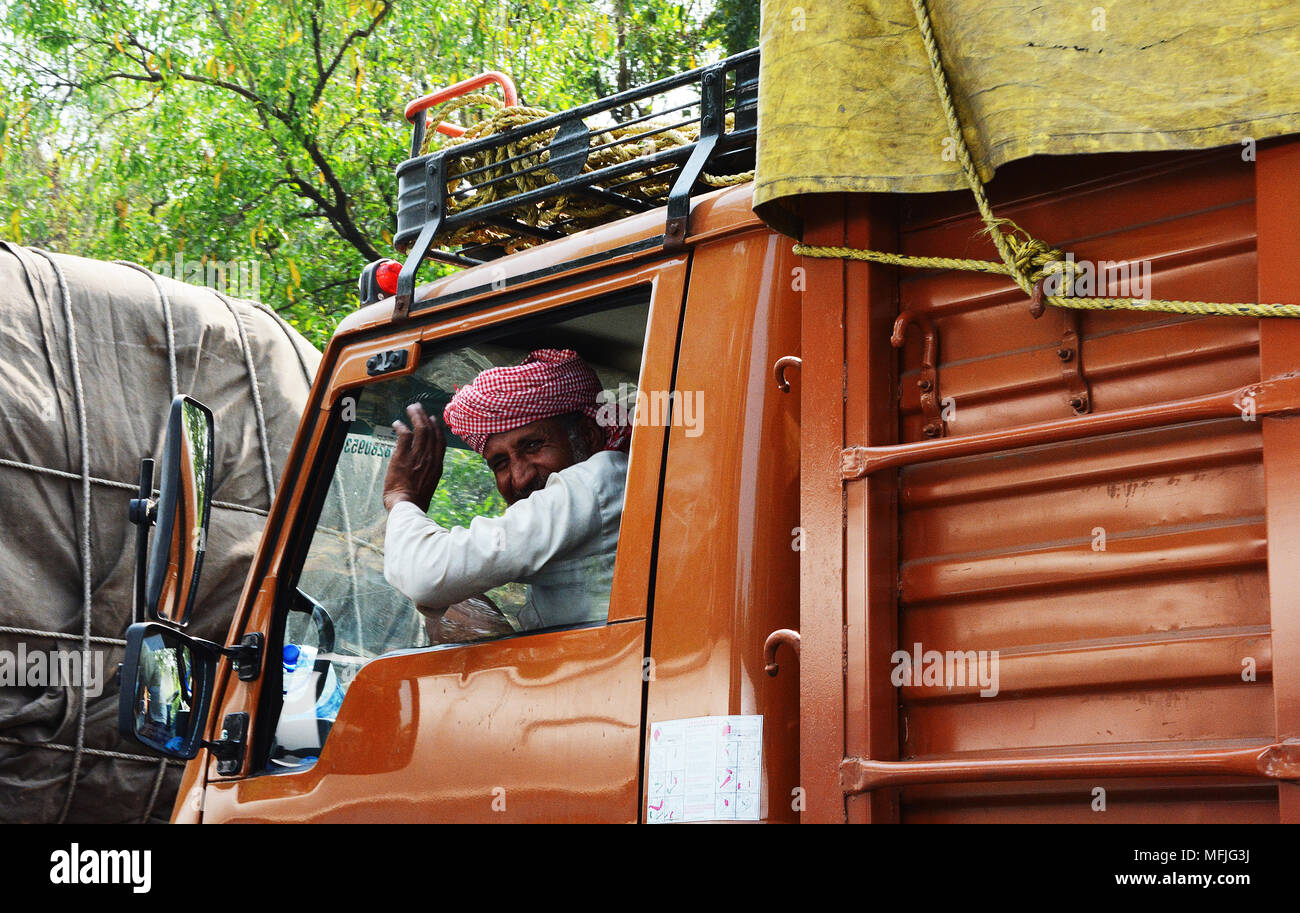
(737, 21)
(267, 131)
(467, 490)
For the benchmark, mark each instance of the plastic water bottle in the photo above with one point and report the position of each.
(299, 678)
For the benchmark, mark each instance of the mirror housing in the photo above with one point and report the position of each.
(166, 691)
(166, 680)
(171, 575)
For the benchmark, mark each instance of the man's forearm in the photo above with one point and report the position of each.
(438, 567)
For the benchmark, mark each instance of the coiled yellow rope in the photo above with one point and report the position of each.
(1025, 259)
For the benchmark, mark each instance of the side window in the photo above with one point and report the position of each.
(346, 613)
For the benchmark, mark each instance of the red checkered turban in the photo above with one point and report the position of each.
(549, 382)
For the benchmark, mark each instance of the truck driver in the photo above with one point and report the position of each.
(562, 476)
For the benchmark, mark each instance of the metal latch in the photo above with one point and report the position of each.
(384, 362)
(928, 383)
(229, 748)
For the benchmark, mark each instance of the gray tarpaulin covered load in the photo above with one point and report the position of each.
(86, 344)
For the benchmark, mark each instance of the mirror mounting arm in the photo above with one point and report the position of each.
(143, 513)
(246, 655)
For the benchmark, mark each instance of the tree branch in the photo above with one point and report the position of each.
(315, 43)
(355, 35)
(337, 214)
(332, 201)
(127, 110)
(323, 288)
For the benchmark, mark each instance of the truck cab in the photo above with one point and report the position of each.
(550, 724)
(543, 725)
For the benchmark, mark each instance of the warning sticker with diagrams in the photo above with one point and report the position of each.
(707, 768)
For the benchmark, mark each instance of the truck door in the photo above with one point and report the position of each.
(529, 726)
(1124, 559)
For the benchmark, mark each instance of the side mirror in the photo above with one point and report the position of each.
(166, 689)
(169, 578)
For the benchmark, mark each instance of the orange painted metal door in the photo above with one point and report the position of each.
(1099, 532)
(540, 727)
(727, 569)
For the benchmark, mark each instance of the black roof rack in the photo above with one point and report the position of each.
(567, 171)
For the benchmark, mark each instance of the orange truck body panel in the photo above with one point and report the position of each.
(1128, 581)
(750, 527)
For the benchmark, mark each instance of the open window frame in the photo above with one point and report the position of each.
(659, 288)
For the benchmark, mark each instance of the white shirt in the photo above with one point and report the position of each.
(560, 540)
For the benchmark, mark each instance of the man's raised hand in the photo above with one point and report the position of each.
(416, 465)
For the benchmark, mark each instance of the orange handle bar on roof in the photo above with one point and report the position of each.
(425, 102)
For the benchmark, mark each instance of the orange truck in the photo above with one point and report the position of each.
(892, 549)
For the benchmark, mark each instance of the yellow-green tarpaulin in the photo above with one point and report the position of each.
(848, 103)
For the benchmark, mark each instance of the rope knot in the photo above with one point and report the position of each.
(1035, 263)
(1032, 259)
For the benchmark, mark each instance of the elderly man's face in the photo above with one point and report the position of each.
(523, 459)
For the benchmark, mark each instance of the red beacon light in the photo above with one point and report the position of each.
(378, 280)
(386, 276)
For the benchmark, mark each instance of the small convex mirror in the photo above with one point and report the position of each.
(166, 688)
(184, 503)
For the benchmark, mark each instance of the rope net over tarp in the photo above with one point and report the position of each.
(93, 353)
(847, 100)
